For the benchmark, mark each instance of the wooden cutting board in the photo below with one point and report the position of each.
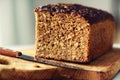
(103, 68)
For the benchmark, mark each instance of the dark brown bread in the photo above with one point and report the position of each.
(72, 32)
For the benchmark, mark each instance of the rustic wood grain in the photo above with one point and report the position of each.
(18, 69)
(103, 68)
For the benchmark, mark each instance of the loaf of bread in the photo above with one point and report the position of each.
(72, 32)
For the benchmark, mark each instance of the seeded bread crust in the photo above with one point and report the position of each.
(72, 32)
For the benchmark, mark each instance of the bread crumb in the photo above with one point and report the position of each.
(36, 65)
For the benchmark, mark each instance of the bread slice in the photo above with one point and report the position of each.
(72, 32)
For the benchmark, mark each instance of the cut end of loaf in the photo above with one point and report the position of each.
(62, 37)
